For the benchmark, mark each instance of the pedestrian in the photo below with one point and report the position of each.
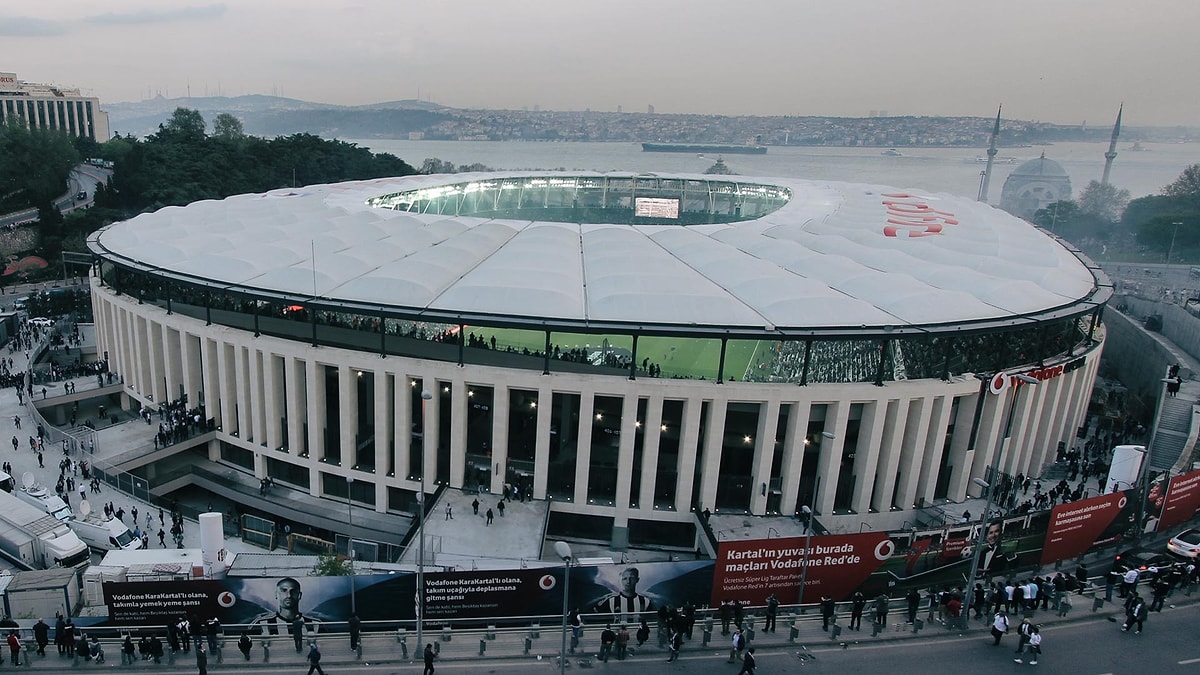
(748, 663)
(298, 634)
(41, 462)
(1035, 645)
(314, 659)
(244, 645)
(737, 645)
(489, 517)
(428, 656)
(857, 603)
(355, 626)
(500, 508)
(608, 639)
(622, 643)
(999, 627)
(127, 651)
(1135, 614)
(676, 645)
(643, 633)
(827, 608)
(773, 610)
(474, 504)
(1023, 633)
(14, 647)
(41, 635)
(449, 512)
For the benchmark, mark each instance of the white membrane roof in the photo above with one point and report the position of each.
(835, 255)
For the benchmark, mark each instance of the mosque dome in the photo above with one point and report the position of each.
(1035, 185)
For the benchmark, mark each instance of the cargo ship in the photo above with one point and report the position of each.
(702, 149)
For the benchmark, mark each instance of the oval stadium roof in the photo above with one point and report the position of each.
(834, 255)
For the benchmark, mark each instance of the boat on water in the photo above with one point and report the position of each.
(703, 149)
(982, 159)
(892, 152)
(719, 168)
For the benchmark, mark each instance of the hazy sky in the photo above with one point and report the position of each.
(1058, 60)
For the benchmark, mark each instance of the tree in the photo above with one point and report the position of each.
(1057, 216)
(184, 126)
(228, 127)
(332, 566)
(1103, 201)
(1187, 185)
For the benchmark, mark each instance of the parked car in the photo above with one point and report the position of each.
(1149, 562)
(1185, 544)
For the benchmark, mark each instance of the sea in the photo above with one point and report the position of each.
(945, 170)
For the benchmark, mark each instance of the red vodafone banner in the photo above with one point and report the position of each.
(1182, 502)
(1077, 526)
(749, 571)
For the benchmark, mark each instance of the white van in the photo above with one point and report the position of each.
(32, 493)
(105, 534)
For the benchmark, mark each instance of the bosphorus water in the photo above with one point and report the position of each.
(950, 170)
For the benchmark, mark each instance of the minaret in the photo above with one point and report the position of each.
(1112, 147)
(991, 154)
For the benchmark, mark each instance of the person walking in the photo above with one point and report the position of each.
(355, 626)
(827, 608)
(202, 659)
(14, 647)
(748, 663)
(314, 659)
(1035, 646)
(737, 645)
(428, 656)
(1135, 614)
(1023, 633)
(622, 643)
(490, 515)
(677, 644)
(772, 611)
(999, 627)
(41, 635)
(244, 645)
(857, 604)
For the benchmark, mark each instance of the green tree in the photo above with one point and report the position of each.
(332, 566)
(228, 127)
(184, 126)
(1106, 202)
(1187, 185)
(34, 165)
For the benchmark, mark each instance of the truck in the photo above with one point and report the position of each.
(35, 494)
(33, 539)
(1125, 468)
(99, 532)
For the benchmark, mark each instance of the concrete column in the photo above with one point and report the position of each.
(830, 460)
(866, 454)
(688, 443)
(651, 438)
(431, 431)
(296, 403)
(315, 385)
(916, 426)
(500, 409)
(793, 455)
(259, 399)
(714, 436)
(172, 340)
(541, 449)
(629, 406)
(458, 431)
(385, 404)
(348, 411)
(225, 377)
(891, 439)
(764, 454)
(987, 441)
(402, 422)
(960, 456)
(192, 368)
(158, 384)
(583, 443)
(939, 420)
(243, 382)
(211, 377)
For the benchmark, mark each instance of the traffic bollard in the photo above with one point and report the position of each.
(482, 647)
(266, 646)
(491, 631)
(918, 625)
(794, 632)
(404, 649)
(446, 634)
(835, 632)
(535, 631)
(528, 646)
(437, 648)
(358, 650)
(707, 636)
(1097, 603)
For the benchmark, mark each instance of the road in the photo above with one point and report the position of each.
(1094, 646)
(83, 178)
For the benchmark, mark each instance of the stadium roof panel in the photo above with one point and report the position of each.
(832, 255)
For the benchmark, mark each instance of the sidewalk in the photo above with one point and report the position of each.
(509, 644)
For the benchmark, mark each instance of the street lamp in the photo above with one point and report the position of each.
(811, 512)
(350, 541)
(563, 549)
(969, 591)
(1172, 248)
(425, 398)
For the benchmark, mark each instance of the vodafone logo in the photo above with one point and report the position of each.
(999, 383)
(226, 599)
(547, 582)
(884, 549)
(1122, 501)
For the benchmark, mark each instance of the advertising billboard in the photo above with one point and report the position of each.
(1078, 526)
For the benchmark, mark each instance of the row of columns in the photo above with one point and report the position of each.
(75, 117)
(257, 388)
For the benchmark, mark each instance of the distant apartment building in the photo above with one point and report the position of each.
(45, 106)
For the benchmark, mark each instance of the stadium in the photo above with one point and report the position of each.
(632, 348)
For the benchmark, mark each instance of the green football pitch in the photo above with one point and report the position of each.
(677, 357)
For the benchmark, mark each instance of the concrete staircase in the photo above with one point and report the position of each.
(1174, 428)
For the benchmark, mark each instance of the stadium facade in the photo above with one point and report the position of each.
(634, 348)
